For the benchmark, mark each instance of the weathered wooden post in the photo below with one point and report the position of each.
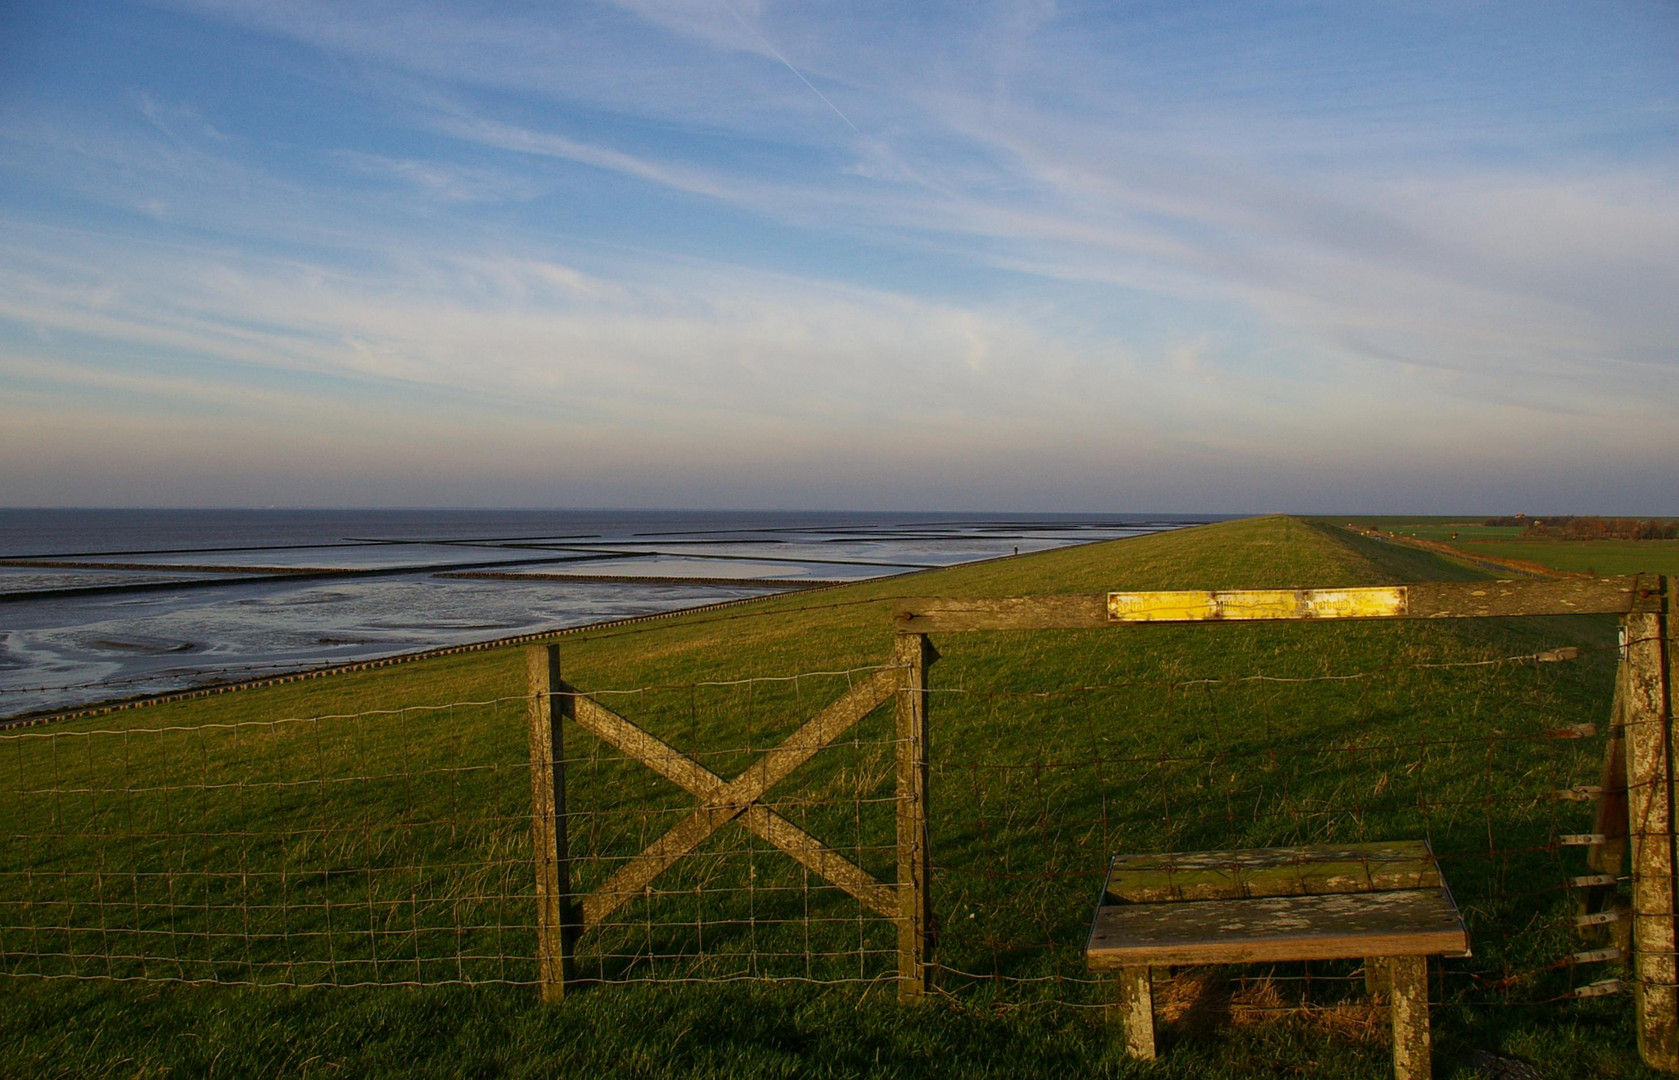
(1408, 988)
(1648, 733)
(555, 926)
(913, 654)
(1133, 1011)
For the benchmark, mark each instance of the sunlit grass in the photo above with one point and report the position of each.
(1051, 751)
(1605, 558)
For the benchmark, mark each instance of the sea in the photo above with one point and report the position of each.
(104, 605)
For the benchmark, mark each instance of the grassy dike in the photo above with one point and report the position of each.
(1036, 779)
(1604, 558)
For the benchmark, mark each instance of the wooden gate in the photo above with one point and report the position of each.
(562, 916)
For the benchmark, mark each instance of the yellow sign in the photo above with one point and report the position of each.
(1197, 606)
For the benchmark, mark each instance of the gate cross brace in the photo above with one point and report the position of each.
(724, 801)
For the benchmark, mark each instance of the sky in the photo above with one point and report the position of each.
(1131, 257)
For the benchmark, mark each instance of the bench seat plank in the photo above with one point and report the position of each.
(1286, 871)
(1406, 922)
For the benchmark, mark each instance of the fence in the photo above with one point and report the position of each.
(568, 908)
(360, 849)
(798, 828)
(1634, 801)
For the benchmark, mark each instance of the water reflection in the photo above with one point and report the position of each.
(96, 605)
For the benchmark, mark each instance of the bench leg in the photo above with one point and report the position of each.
(1135, 1012)
(1410, 1017)
(1378, 978)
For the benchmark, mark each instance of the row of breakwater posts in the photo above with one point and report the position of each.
(1635, 801)
(332, 670)
(276, 678)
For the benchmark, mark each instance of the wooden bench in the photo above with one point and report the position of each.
(1383, 902)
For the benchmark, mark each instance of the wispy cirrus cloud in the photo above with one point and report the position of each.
(1179, 238)
(443, 180)
(521, 140)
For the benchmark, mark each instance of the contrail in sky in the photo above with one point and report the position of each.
(749, 28)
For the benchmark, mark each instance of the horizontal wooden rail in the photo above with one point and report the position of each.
(724, 801)
(1433, 600)
(562, 916)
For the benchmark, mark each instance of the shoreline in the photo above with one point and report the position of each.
(140, 701)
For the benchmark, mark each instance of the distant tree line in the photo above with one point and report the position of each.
(1567, 527)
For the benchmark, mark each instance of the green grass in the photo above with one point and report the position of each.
(1432, 528)
(392, 847)
(1605, 558)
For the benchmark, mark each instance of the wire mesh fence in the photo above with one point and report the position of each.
(736, 907)
(1488, 757)
(394, 847)
(384, 847)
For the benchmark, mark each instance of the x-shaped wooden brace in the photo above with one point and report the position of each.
(724, 801)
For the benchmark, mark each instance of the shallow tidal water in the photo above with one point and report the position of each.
(97, 605)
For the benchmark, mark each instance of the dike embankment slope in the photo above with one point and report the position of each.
(1012, 719)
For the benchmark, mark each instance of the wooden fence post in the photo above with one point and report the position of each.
(1650, 803)
(555, 927)
(914, 654)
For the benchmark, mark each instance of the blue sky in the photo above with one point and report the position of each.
(1222, 257)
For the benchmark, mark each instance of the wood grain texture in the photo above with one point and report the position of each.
(912, 655)
(1404, 922)
(926, 614)
(1552, 596)
(651, 751)
(726, 801)
(1378, 978)
(1648, 735)
(1411, 1052)
(822, 860)
(1435, 600)
(1246, 605)
(542, 666)
(1284, 871)
(1134, 1012)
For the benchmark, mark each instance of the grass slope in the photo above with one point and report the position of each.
(1604, 558)
(1050, 752)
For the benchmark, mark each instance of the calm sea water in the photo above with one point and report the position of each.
(105, 604)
